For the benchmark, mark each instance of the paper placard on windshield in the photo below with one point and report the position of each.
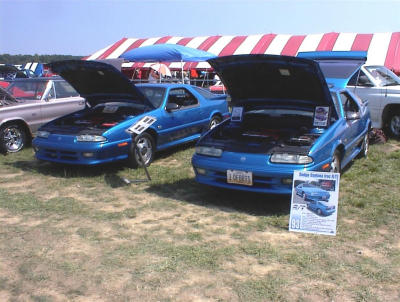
(321, 116)
(314, 203)
(237, 113)
(110, 108)
(141, 125)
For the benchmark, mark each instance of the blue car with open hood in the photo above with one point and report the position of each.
(98, 134)
(286, 116)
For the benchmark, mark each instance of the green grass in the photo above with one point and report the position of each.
(90, 232)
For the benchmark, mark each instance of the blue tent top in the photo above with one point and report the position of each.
(166, 53)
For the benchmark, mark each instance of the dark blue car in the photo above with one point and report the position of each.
(278, 125)
(311, 192)
(98, 133)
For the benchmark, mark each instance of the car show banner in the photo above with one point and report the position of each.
(314, 202)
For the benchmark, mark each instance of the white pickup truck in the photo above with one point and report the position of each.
(381, 88)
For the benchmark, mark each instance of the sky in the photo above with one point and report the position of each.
(81, 27)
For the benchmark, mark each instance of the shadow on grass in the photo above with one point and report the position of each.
(257, 204)
(108, 171)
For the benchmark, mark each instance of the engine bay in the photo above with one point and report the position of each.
(100, 117)
(266, 135)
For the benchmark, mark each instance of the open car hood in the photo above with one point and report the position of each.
(337, 66)
(98, 82)
(271, 79)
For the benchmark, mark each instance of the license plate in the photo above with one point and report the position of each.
(239, 177)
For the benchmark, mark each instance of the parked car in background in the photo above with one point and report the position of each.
(381, 88)
(30, 103)
(274, 131)
(10, 72)
(310, 192)
(98, 134)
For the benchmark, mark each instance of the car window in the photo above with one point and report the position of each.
(154, 94)
(348, 103)
(64, 90)
(383, 76)
(27, 90)
(362, 79)
(182, 97)
(205, 93)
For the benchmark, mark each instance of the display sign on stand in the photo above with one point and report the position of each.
(314, 203)
(136, 129)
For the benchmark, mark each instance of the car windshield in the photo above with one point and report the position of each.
(383, 76)
(154, 94)
(27, 90)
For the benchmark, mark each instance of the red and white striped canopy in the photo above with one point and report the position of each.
(383, 48)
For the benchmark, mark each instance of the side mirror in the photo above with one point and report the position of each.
(351, 115)
(171, 107)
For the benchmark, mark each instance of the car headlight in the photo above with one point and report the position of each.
(43, 134)
(286, 158)
(209, 151)
(90, 138)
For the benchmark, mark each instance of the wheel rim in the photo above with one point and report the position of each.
(13, 139)
(335, 164)
(319, 211)
(146, 150)
(395, 125)
(214, 122)
(366, 145)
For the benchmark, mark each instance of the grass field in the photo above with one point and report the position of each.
(85, 234)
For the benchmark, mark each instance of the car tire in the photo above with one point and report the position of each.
(215, 120)
(335, 164)
(364, 147)
(393, 124)
(319, 212)
(146, 145)
(12, 138)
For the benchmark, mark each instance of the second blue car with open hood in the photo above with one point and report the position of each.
(98, 134)
(286, 116)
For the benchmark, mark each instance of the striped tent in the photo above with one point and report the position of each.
(383, 48)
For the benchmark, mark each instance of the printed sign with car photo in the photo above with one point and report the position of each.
(314, 202)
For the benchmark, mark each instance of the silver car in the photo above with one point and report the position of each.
(29, 103)
(381, 88)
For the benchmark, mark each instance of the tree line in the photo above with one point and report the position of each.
(23, 59)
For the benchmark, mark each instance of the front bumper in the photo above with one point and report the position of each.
(267, 177)
(79, 153)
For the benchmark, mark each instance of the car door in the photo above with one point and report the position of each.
(364, 87)
(60, 99)
(180, 117)
(354, 126)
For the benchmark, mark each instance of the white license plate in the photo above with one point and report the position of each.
(239, 177)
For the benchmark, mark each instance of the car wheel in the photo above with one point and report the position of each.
(12, 138)
(335, 164)
(393, 126)
(319, 212)
(146, 146)
(215, 120)
(303, 195)
(365, 147)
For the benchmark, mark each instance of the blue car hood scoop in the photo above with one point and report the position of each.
(275, 80)
(99, 82)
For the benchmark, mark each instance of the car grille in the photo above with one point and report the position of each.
(63, 155)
